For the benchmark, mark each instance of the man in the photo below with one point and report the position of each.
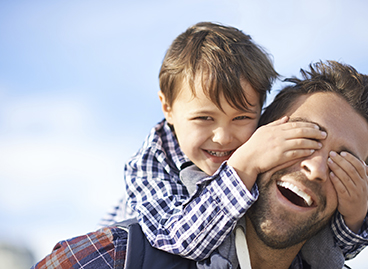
(287, 226)
(335, 97)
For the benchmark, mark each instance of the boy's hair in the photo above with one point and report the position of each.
(330, 76)
(222, 56)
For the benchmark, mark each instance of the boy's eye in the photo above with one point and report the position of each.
(242, 118)
(205, 118)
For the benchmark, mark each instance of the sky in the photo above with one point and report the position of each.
(78, 93)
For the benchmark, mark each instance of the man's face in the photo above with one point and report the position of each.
(207, 135)
(280, 216)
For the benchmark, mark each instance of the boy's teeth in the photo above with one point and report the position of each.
(297, 191)
(219, 153)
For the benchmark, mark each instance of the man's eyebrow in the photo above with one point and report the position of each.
(306, 120)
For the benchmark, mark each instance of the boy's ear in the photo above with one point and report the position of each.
(165, 107)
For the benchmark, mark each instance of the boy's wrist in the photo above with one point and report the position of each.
(354, 226)
(248, 176)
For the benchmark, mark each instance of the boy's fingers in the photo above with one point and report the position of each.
(366, 167)
(340, 188)
(284, 165)
(300, 124)
(340, 175)
(356, 165)
(309, 131)
(302, 143)
(298, 153)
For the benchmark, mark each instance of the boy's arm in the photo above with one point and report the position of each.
(172, 222)
(158, 195)
(350, 224)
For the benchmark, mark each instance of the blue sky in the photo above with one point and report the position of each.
(78, 92)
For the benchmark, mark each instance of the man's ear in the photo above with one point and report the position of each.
(165, 107)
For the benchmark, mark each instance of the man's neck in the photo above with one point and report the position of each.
(262, 256)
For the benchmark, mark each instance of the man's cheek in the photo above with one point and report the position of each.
(331, 198)
(267, 176)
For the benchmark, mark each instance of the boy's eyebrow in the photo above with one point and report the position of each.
(206, 111)
(342, 148)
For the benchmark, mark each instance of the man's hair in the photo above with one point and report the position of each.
(222, 56)
(330, 76)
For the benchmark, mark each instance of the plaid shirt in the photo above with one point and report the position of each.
(192, 226)
(350, 243)
(105, 248)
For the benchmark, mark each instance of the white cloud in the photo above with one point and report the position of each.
(58, 181)
(40, 114)
(53, 147)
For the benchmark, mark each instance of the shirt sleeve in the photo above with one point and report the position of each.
(105, 248)
(172, 221)
(350, 243)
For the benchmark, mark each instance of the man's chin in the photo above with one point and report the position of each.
(278, 239)
(279, 226)
(275, 231)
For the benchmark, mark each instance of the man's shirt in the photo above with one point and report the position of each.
(105, 248)
(108, 248)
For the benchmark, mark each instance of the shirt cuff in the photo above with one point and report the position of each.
(342, 231)
(230, 191)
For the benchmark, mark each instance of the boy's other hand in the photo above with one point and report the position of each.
(349, 177)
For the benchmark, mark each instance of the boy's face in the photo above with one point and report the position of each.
(207, 135)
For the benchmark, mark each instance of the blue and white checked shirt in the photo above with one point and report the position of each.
(195, 226)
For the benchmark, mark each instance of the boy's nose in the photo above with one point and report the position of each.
(315, 166)
(222, 136)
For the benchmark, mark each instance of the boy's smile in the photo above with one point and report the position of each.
(206, 134)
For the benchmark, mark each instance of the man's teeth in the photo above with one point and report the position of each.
(297, 191)
(219, 153)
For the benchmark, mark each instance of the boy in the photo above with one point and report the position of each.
(213, 83)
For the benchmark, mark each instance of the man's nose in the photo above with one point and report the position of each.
(222, 136)
(315, 166)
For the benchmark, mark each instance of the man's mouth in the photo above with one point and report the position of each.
(219, 153)
(294, 194)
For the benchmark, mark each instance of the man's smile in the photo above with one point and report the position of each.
(294, 194)
(297, 193)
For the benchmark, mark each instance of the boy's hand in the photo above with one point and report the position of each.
(349, 177)
(280, 143)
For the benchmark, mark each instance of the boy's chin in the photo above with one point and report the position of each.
(209, 170)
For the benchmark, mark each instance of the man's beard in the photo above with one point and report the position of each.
(282, 229)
